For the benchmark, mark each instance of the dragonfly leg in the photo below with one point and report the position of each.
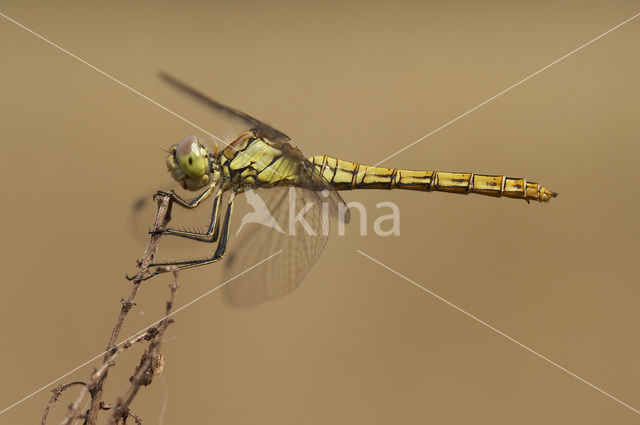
(174, 197)
(217, 255)
(211, 235)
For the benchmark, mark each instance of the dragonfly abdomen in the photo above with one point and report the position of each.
(346, 175)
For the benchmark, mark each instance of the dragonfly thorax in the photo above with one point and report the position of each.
(192, 165)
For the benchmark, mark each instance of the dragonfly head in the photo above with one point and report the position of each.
(189, 162)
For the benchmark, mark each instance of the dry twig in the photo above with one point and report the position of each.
(151, 362)
(104, 406)
(57, 391)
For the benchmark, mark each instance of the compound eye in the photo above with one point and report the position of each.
(191, 157)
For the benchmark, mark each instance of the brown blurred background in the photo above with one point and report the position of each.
(358, 81)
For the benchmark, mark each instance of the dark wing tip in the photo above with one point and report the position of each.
(262, 128)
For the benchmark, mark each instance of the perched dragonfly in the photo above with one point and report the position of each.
(263, 158)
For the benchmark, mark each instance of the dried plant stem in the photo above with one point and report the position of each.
(104, 406)
(151, 362)
(162, 218)
(57, 391)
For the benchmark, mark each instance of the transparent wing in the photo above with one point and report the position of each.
(263, 128)
(310, 177)
(296, 222)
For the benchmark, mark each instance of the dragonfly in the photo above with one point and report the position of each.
(263, 158)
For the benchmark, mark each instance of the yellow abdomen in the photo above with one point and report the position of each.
(346, 175)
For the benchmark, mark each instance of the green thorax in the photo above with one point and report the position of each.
(255, 161)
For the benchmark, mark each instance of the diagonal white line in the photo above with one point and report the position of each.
(114, 79)
(137, 333)
(505, 90)
(499, 332)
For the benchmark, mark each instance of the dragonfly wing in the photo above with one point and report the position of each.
(312, 178)
(296, 224)
(262, 128)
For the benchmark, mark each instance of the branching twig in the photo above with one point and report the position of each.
(154, 334)
(57, 391)
(104, 406)
(151, 363)
(162, 218)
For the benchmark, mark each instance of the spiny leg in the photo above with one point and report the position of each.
(218, 254)
(174, 197)
(211, 235)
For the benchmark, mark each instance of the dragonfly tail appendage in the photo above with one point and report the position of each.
(346, 175)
